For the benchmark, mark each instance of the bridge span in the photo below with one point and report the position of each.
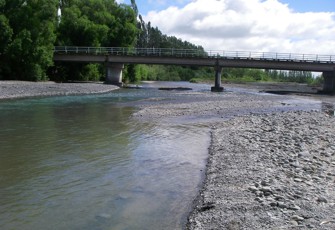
(114, 59)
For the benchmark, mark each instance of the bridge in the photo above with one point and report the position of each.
(114, 59)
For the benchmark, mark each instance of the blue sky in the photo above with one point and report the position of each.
(145, 6)
(299, 26)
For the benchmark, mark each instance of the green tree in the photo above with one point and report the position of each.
(94, 23)
(27, 38)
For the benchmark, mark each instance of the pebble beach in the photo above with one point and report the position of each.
(271, 160)
(274, 171)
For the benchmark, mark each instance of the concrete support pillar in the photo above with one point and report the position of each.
(114, 73)
(328, 82)
(217, 87)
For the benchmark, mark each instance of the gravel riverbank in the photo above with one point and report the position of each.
(274, 171)
(22, 89)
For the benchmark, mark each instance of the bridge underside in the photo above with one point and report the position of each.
(114, 76)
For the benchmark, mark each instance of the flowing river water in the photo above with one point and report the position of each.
(82, 162)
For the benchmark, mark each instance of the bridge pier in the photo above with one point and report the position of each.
(217, 87)
(328, 82)
(114, 73)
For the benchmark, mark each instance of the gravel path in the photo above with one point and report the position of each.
(22, 89)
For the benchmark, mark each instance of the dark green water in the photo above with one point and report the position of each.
(81, 162)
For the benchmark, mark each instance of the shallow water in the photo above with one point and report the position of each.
(82, 163)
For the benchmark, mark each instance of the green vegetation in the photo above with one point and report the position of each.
(30, 30)
(28, 34)
(92, 23)
(239, 75)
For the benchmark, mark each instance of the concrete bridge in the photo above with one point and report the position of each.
(115, 58)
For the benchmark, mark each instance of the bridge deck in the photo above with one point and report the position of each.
(170, 56)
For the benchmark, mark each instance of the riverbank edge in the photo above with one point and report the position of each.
(24, 89)
(268, 198)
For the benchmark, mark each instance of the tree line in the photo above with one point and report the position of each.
(31, 28)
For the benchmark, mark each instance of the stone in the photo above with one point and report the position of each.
(253, 189)
(297, 218)
(277, 197)
(322, 200)
(281, 205)
(266, 189)
(273, 204)
(296, 179)
(264, 183)
(294, 223)
(259, 199)
(294, 207)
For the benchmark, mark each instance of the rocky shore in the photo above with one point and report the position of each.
(23, 89)
(274, 171)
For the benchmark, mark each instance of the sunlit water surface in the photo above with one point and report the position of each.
(82, 162)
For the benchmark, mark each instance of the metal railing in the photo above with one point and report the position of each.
(195, 53)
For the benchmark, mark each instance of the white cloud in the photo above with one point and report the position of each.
(253, 25)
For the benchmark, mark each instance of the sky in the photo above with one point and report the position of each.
(286, 26)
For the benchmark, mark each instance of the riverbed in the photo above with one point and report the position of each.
(128, 159)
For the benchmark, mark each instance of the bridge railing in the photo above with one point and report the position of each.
(171, 52)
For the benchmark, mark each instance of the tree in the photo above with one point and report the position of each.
(27, 38)
(94, 23)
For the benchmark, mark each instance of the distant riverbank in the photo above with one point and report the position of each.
(23, 89)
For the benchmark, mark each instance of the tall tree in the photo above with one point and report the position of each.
(27, 38)
(96, 23)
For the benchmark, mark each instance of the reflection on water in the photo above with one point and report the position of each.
(82, 163)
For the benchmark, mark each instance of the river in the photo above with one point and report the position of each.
(82, 162)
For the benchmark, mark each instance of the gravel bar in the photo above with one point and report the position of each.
(24, 89)
(274, 171)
